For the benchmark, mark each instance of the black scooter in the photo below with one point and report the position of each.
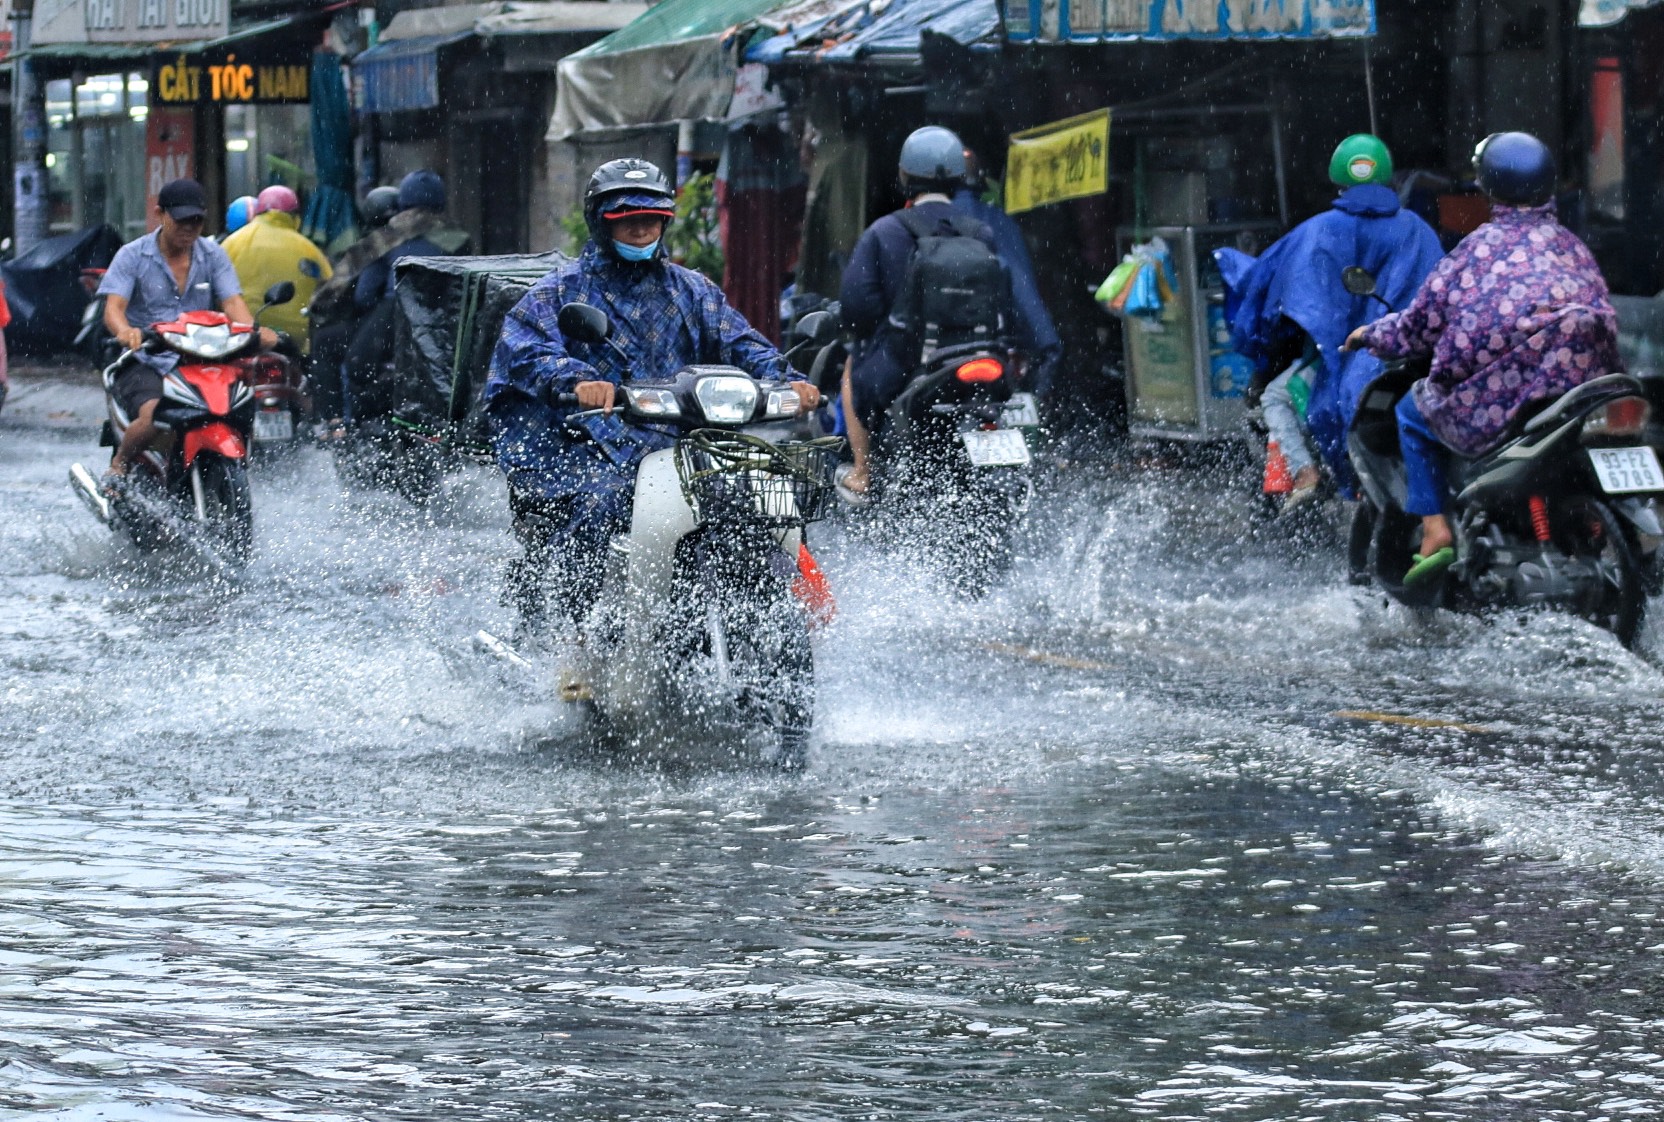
(1563, 514)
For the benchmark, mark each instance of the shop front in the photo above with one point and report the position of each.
(149, 93)
(466, 90)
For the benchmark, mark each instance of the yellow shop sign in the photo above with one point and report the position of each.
(1067, 159)
(186, 82)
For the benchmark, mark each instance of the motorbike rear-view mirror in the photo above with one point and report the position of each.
(817, 328)
(584, 323)
(280, 293)
(1358, 280)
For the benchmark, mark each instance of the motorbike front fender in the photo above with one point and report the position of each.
(216, 437)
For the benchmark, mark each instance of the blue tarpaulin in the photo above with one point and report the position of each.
(330, 211)
(877, 30)
(401, 74)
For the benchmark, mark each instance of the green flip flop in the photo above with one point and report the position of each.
(1426, 568)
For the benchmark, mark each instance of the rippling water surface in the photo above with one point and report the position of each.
(1129, 840)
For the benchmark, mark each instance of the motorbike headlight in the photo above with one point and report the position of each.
(208, 341)
(726, 399)
(783, 403)
(653, 403)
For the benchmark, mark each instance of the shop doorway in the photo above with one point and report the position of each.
(504, 181)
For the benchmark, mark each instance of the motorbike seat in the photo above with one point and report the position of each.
(1608, 385)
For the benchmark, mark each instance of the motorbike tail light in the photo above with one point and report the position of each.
(1624, 417)
(980, 371)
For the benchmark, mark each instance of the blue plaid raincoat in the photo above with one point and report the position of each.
(664, 317)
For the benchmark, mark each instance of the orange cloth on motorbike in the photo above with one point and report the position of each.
(271, 249)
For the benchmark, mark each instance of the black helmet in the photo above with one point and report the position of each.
(380, 205)
(932, 159)
(1514, 168)
(627, 186)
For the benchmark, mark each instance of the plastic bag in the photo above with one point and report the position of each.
(1112, 293)
(1147, 282)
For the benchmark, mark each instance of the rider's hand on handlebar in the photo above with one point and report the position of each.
(268, 338)
(131, 338)
(596, 395)
(1355, 341)
(808, 396)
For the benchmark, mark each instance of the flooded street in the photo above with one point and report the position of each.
(1176, 826)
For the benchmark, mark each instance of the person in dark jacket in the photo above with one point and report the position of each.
(358, 301)
(931, 168)
(570, 495)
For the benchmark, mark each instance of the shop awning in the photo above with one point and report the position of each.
(875, 30)
(402, 71)
(677, 62)
(116, 53)
(1056, 21)
(1605, 13)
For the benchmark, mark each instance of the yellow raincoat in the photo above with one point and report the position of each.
(270, 249)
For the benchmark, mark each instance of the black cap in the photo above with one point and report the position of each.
(183, 198)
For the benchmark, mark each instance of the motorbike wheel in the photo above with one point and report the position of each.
(1357, 543)
(981, 550)
(227, 508)
(1586, 527)
(766, 642)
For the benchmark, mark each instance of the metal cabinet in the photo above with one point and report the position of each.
(1184, 380)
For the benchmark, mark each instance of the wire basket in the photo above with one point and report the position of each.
(734, 476)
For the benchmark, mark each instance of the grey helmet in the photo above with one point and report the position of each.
(380, 205)
(932, 159)
(629, 185)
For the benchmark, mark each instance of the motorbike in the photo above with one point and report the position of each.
(952, 450)
(702, 623)
(281, 402)
(190, 487)
(93, 338)
(1562, 515)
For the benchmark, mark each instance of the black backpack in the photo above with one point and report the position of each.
(955, 290)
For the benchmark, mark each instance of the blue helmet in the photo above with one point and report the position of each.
(1514, 168)
(238, 213)
(422, 190)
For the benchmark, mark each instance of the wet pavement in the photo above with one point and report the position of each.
(1176, 826)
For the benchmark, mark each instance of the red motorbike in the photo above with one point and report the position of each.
(190, 487)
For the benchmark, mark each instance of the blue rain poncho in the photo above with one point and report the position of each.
(1298, 279)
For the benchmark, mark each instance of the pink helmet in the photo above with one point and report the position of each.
(277, 198)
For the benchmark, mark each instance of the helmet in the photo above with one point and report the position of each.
(422, 190)
(1514, 168)
(238, 213)
(932, 157)
(380, 205)
(1360, 158)
(627, 186)
(277, 198)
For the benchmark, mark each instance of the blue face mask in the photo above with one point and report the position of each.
(636, 252)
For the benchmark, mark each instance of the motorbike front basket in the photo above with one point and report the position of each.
(732, 476)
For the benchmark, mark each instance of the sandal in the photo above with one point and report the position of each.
(1431, 566)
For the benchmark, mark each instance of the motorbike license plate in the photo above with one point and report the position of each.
(274, 424)
(995, 448)
(1020, 412)
(1624, 471)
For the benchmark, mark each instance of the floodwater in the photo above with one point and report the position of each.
(1177, 826)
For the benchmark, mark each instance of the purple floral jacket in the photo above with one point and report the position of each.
(1518, 312)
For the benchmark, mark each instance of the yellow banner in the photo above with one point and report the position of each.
(1063, 160)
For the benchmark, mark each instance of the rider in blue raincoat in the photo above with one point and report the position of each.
(1292, 298)
(571, 493)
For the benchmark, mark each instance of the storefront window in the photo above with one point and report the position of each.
(266, 144)
(95, 152)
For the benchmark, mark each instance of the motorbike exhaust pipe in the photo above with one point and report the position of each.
(84, 485)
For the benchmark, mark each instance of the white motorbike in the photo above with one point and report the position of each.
(700, 635)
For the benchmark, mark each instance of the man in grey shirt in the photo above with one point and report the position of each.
(156, 279)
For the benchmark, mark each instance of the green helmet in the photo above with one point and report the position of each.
(1360, 158)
